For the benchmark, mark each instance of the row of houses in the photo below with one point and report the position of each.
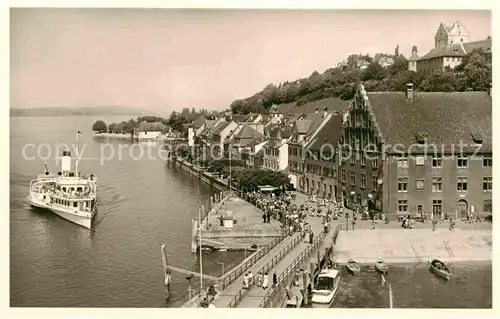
(394, 152)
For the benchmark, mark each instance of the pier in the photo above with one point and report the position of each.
(285, 260)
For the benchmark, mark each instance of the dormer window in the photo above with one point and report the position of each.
(477, 137)
(421, 138)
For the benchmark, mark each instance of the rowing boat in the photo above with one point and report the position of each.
(353, 267)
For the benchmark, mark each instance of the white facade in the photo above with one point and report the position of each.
(226, 132)
(457, 34)
(283, 158)
(190, 136)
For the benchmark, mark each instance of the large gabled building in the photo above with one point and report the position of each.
(430, 152)
(451, 44)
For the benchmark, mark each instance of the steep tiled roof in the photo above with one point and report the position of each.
(483, 44)
(292, 117)
(247, 132)
(457, 50)
(241, 118)
(444, 51)
(317, 119)
(303, 126)
(217, 129)
(266, 118)
(446, 118)
(210, 123)
(332, 104)
(328, 134)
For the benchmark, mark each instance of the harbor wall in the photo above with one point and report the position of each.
(203, 176)
(114, 136)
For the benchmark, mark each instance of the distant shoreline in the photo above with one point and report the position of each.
(81, 114)
(80, 111)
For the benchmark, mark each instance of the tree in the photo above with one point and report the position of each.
(100, 127)
(477, 73)
(111, 127)
(128, 127)
(474, 73)
(236, 106)
(439, 82)
(400, 65)
(250, 179)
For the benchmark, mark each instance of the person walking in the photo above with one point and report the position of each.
(275, 280)
(265, 281)
(452, 224)
(478, 219)
(245, 281)
(250, 279)
(258, 279)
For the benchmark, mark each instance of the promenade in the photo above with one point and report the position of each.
(253, 297)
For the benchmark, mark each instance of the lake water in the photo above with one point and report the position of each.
(414, 286)
(142, 204)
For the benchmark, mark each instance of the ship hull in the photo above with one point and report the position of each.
(83, 219)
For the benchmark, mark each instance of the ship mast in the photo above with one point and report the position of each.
(76, 151)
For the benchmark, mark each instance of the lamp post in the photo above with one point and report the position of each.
(189, 285)
(222, 265)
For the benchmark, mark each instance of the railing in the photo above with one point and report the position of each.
(235, 273)
(275, 295)
(268, 266)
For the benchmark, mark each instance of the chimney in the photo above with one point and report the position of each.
(325, 112)
(409, 91)
(316, 110)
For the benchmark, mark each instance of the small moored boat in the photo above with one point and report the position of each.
(381, 267)
(353, 267)
(440, 269)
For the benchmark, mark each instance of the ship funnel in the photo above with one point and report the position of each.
(46, 169)
(66, 161)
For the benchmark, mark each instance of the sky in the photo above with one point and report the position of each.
(165, 59)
